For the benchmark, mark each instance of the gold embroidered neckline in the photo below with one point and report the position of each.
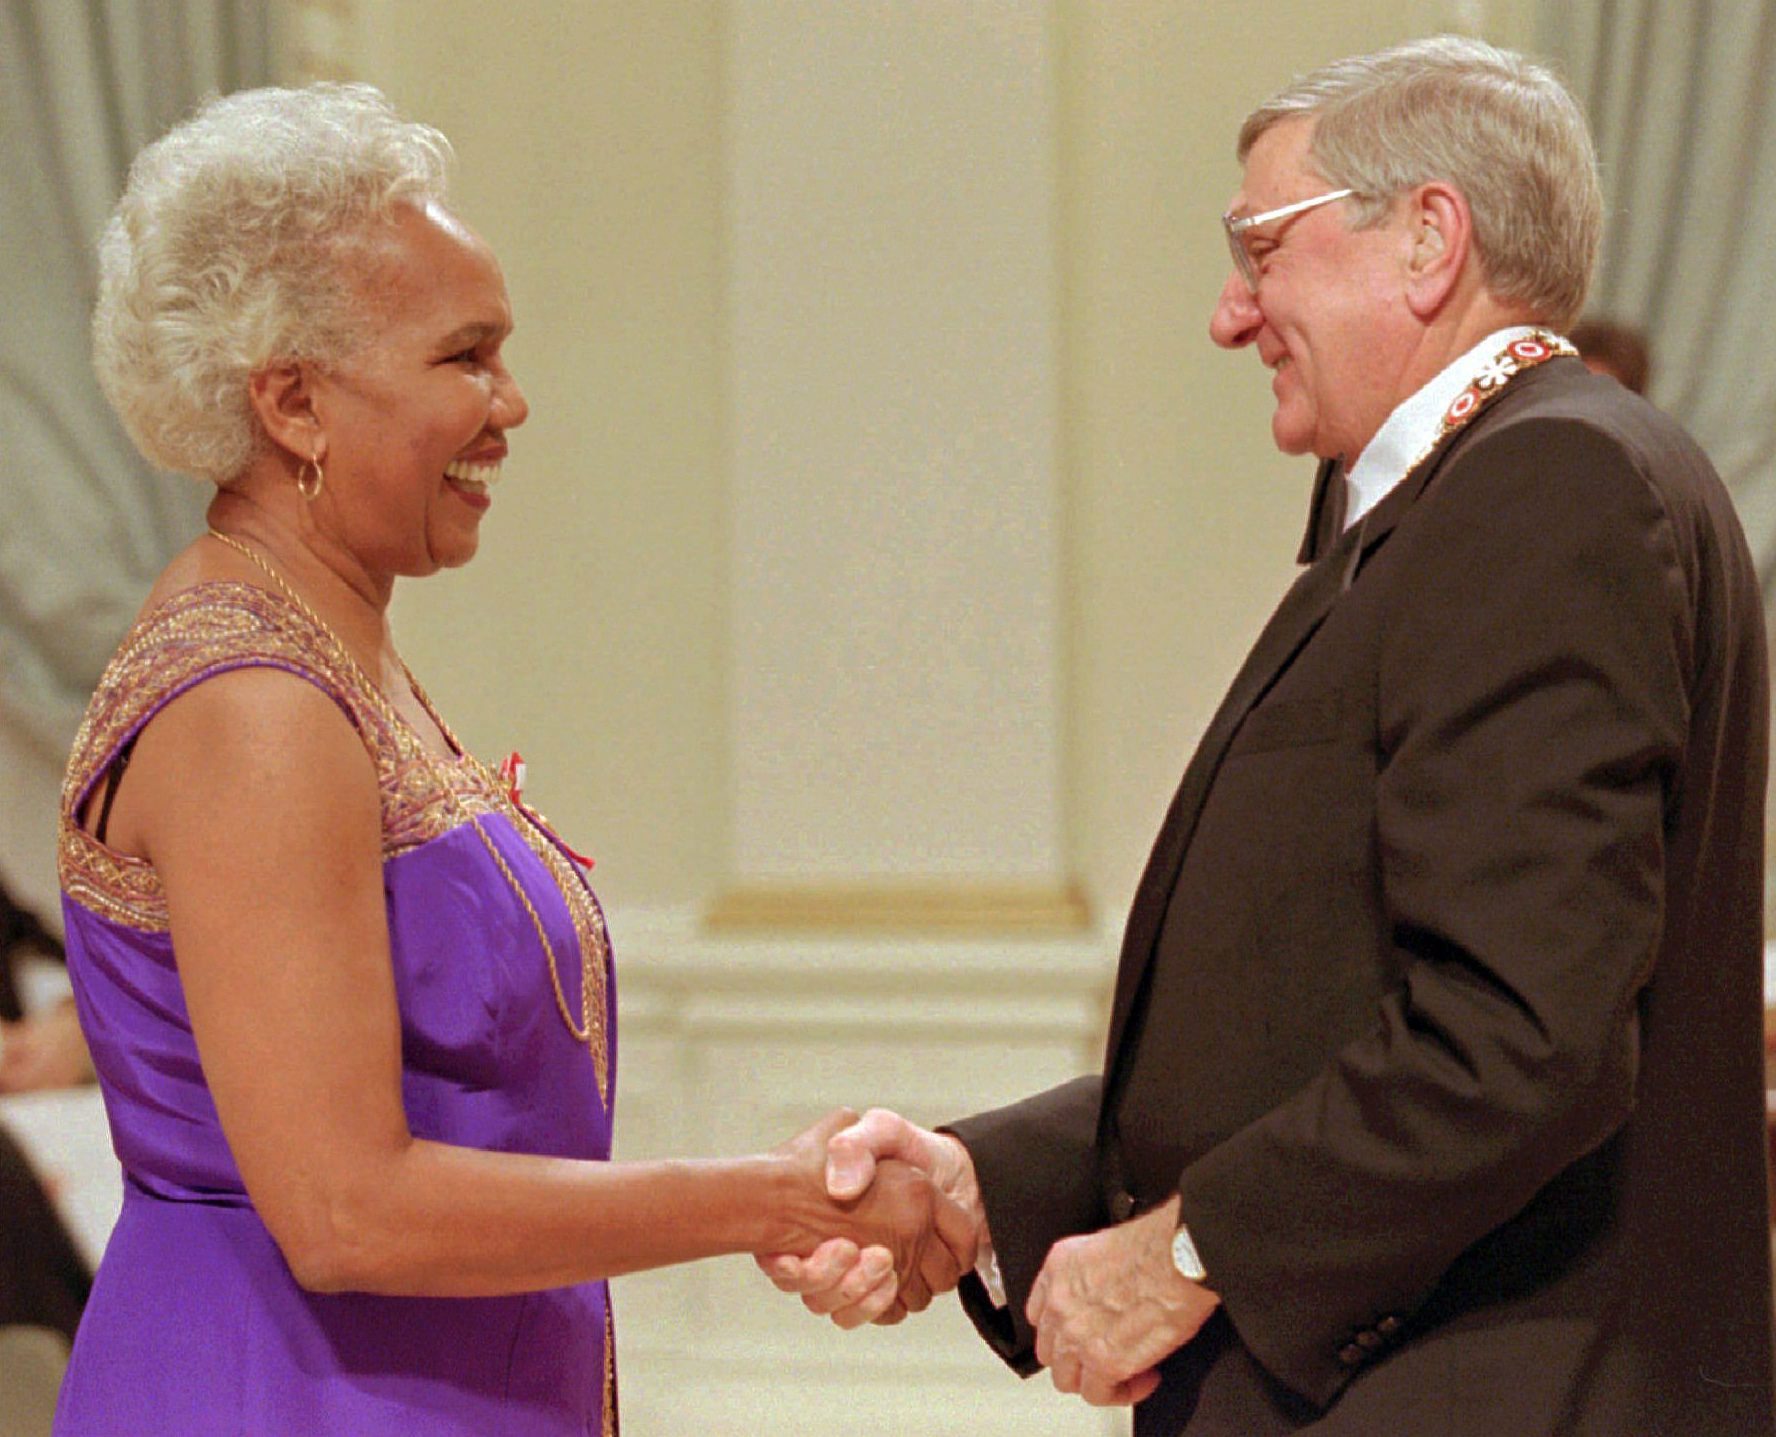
(589, 1028)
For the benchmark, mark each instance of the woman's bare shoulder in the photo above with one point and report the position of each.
(257, 743)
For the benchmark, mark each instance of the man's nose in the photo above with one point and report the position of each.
(1236, 320)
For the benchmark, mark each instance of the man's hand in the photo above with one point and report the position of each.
(854, 1285)
(896, 1228)
(1109, 1307)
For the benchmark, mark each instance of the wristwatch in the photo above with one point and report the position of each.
(1185, 1256)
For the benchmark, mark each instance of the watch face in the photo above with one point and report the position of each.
(1184, 1256)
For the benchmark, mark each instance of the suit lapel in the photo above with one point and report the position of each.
(1334, 557)
(1303, 608)
(1325, 511)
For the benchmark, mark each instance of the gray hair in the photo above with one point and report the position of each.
(240, 240)
(1499, 127)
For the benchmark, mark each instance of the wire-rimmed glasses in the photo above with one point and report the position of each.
(1238, 225)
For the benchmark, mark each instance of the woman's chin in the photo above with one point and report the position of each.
(455, 548)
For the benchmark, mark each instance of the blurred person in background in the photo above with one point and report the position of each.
(43, 1280)
(1618, 350)
(41, 1048)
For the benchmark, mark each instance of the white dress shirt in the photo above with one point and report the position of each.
(1413, 428)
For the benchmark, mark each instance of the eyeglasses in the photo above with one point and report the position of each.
(1235, 227)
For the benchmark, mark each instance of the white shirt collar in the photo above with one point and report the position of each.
(1412, 428)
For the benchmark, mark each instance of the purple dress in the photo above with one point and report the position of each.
(195, 1325)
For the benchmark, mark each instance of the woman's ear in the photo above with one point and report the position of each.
(1441, 234)
(282, 395)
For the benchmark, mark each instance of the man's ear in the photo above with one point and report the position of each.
(1440, 231)
(282, 395)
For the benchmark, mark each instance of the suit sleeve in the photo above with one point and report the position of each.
(1532, 717)
(1036, 1162)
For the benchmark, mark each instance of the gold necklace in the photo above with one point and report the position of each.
(586, 1030)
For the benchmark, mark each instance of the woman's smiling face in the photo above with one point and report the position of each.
(415, 422)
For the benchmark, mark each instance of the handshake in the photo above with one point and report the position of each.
(886, 1215)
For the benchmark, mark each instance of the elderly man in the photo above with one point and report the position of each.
(1432, 1098)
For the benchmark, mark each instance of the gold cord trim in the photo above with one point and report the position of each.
(422, 797)
(589, 1030)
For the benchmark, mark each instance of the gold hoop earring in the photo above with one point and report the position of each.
(307, 488)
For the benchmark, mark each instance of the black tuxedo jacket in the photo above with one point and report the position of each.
(1440, 999)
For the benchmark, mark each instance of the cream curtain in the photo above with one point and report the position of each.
(1683, 106)
(85, 524)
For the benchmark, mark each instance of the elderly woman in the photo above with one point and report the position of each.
(349, 999)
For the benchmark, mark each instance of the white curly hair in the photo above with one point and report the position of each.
(243, 236)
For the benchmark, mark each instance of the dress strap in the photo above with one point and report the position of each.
(200, 632)
(209, 629)
(114, 777)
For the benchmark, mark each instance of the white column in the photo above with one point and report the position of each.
(897, 705)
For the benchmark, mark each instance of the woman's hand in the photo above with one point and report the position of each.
(852, 1284)
(904, 1234)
